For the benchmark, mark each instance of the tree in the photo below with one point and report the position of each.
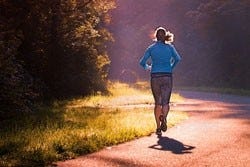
(52, 49)
(223, 29)
(16, 85)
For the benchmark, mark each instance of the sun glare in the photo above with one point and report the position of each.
(152, 34)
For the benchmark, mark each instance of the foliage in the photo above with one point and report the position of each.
(15, 83)
(52, 49)
(222, 32)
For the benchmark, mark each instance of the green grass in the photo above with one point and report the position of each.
(79, 126)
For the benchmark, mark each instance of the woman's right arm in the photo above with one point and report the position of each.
(143, 60)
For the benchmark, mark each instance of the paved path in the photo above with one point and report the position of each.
(216, 134)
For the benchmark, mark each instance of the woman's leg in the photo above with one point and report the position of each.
(157, 112)
(158, 108)
(165, 110)
(166, 90)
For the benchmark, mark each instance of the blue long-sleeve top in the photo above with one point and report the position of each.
(164, 58)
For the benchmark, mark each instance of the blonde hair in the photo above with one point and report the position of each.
(169, 36)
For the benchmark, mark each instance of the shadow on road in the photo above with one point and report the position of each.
(168, 144)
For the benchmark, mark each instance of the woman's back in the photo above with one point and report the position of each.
(161, 55)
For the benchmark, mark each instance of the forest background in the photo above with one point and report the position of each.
(61, 49)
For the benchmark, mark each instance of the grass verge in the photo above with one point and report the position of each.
(79, 126)
(241, 92)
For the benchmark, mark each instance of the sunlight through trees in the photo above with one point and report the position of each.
(52, 49)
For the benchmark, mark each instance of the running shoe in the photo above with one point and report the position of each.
(158, 131)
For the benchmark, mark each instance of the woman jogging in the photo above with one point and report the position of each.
(164, 58)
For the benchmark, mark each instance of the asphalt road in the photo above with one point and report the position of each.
(217, 133)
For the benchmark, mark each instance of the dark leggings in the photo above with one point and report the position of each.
(161, 86)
